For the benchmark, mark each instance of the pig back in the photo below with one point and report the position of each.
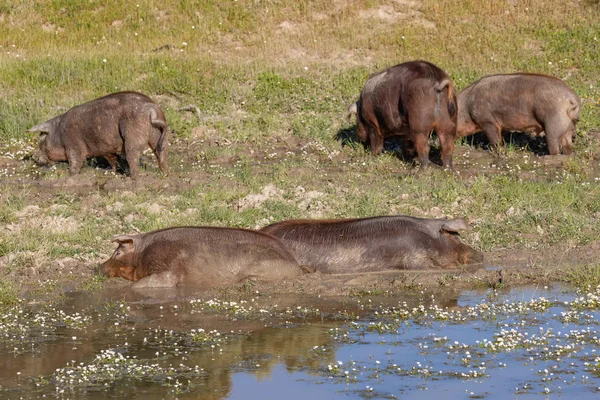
(374, 244)
(368, 244)
(400, 95)
(520, 97)
(96, 125)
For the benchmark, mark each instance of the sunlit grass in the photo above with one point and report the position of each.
(263, 74)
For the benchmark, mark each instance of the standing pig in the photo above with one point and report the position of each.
(375, 244)
(520, 102)
(200, 256)
(410, 99)
(125, 122)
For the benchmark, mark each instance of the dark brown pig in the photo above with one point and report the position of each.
(520, 102)
(125, 122)
(375, 244)
(412, 100)
(200, 256)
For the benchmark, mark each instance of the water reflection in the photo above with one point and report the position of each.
(125, 320)
(389, 350)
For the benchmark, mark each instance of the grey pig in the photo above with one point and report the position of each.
(522, 102)
(200, 256)
(376, 243)
(125, 122)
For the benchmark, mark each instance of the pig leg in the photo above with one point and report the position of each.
(159, 149)
(553, 145)
(361, 132)
(557, 129)
(166, 279)
(447, 144)
(112, 161)
(376, 140)
(494, 135)
(162, 162)
(161, 157)
(421, 140)
(133, 159)
(567, 143)
(75, 162)
(408, 149)
(135, 142)
(272, 270)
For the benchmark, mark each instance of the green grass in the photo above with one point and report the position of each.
(272, 81)
(584, 277)
(8, 295)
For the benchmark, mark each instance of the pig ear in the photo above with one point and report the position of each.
(128, 240)
(454, 225)
(46, 127)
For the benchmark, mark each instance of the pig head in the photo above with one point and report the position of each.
(122, 263)
(50, 148)
(452, 245)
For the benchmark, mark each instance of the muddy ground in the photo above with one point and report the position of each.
(203, 160)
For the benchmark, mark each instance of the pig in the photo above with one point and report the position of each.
(200, 256)
(376, 243)
(411, 99)
(522, 102)
(125, 122)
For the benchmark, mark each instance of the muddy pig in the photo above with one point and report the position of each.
(375, 244)
(200, 256)
(520, 102)
(411, 100)
(125, 122)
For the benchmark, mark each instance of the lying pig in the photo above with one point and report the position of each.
(125, 122)
(200, 256)
(520, 102)
(375, 244)
(412, 100)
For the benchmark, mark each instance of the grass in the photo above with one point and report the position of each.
(272, 82)
(9, 295)
(584, 277)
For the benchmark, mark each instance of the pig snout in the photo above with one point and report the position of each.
(471, 256)
(108, 269)
(40, 157)
(116, 269)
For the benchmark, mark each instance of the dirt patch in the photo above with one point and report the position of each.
(306, 200)
(553, 257)
(270, 192)
(30, 219)
(286, 26)
(401, 11)
(85, 179)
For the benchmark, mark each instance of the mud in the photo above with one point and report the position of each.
(195, 165)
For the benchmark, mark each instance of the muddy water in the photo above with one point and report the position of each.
(173, 344)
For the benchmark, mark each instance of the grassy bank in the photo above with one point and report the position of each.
(272, 80)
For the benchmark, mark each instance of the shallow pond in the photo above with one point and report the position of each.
(527, 342)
